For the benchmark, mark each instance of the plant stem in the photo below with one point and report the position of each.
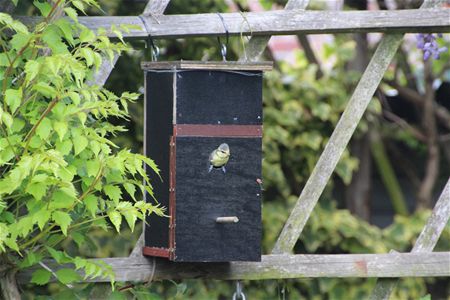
(387, 174)
(33, 129)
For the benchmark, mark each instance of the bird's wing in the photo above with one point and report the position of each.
(211, 155)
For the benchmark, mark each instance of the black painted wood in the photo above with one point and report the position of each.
(159, 107)
(201, 197)
(219, 97)
(205, 97)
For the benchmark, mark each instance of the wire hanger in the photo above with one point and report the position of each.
(154, 48)
(223, 47)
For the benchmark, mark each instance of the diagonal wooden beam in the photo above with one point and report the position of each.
(342, 133)
(153, 8)
(425, 242)
(257, 44)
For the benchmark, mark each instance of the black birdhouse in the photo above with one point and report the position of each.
(203, 127)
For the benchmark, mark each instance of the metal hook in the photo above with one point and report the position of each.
(155, 49)
(239, 294)
(155, 52)
(223, 47)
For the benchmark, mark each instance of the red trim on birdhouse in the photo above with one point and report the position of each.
(217, 130)
(154, 251)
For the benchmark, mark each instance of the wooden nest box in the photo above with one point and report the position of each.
(192, 109)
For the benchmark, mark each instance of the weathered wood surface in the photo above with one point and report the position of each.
(279, 22)
(140, 269)
(436, 223)
(155, 7)
(255, 47)
(208, 65)
(425, 242)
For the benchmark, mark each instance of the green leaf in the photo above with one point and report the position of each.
(82, 117)
(92, 167)
(113, 192)
(86, 35)
(42, 217)
(95, 147)
(91, 203)
(74, 97)
(64, 146)
(79, 238)
(8, 217)
(60, 256)
(4, 62)
(67, 276)
(45, 89)
(61, 128)
(31, 259)
(66, 28)
(44, 7)
(13, 98)
(54, 64)
(79, 144)
(24, 226)
(88, 55)
(116, 219)
(52, 36)
(4, 233)
(11, 243)
(78, 4)
(37, 190)
(41, 277)
(71, 13)
(61, 199)
(62, 219)
(131, 189)
(7, 119)
(44, 129)
(130, 215)
(19, 40)
(67, 173)
(18, 125)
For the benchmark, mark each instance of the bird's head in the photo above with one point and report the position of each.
(224, 148)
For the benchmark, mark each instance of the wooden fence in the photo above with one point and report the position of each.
(421, 262)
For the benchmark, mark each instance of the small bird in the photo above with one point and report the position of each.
(219, 157)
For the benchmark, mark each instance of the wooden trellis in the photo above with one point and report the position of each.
(421, 262)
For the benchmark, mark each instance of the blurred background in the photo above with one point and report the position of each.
(384, 186)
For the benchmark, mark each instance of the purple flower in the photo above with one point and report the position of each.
(428, 44)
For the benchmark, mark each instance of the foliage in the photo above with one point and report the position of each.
(299, 115)
(62, 176)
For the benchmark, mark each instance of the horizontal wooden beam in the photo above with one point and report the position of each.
(141, 269)
(280, 22)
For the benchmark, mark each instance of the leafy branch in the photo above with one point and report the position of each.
(61, 172)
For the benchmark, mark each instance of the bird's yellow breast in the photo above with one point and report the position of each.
(219, 158)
